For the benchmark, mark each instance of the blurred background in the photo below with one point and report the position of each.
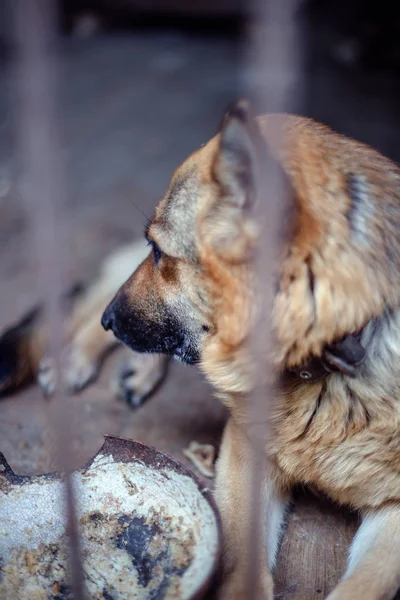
(142, 84)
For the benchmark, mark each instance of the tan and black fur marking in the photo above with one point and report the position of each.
(338, 274)
(18, 357)
(23, 356)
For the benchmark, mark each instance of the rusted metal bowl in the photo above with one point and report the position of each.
(148, 529)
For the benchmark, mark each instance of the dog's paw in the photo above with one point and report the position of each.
(139, 377)
(127, 387)
(79, 370)
(47, 377)
(77, 373)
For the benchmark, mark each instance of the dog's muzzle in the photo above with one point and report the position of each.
(141, 333)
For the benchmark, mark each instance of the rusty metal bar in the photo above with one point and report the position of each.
(43, 192)
(275, 53)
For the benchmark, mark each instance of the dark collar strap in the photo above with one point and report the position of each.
(343, 357)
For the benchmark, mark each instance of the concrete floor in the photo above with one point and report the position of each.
(132, 107)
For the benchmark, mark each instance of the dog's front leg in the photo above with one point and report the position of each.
(373, 571)
(233, 491)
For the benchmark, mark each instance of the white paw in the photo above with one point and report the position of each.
(47, 377)
(127, 387)
(79, 371)
(139, 378)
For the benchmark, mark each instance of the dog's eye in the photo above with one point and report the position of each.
(157, 253)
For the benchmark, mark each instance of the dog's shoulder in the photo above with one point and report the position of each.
(341, 266)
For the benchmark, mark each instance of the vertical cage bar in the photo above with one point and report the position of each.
(275, 55)
(43, 192)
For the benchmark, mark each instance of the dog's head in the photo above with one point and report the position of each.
(169, 305)
(194, 295)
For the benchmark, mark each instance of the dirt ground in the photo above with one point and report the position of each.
(132, 106)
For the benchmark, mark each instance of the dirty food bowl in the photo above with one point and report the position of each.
(148, 529)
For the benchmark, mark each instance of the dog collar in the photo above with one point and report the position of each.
(343, 356)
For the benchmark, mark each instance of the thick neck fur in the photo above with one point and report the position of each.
(339, 433)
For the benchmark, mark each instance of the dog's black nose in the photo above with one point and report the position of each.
(107, 320)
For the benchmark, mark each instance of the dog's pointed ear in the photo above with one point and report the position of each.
(240, 169)
(236, 163)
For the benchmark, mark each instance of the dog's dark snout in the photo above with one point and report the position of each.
(107, 320)
(114, 314)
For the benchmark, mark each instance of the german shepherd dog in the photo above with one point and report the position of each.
(335, 425)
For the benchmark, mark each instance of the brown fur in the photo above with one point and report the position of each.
(339, 272)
